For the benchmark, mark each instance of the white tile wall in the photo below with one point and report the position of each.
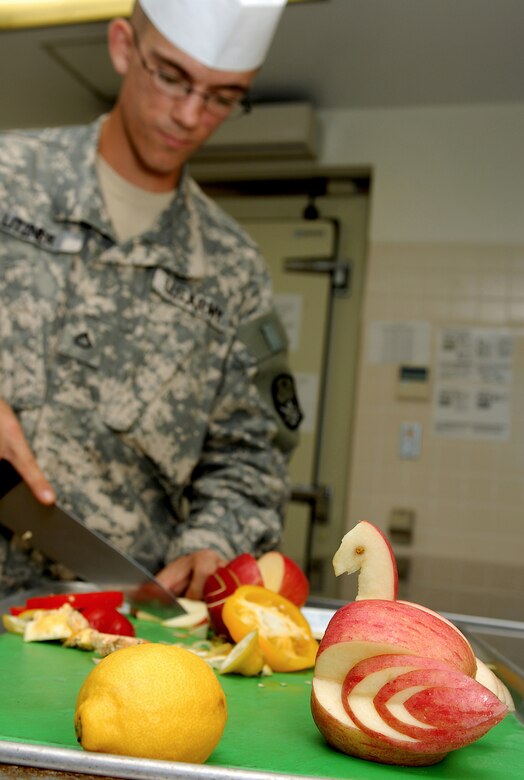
(467, 552)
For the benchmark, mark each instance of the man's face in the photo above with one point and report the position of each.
(161, 131)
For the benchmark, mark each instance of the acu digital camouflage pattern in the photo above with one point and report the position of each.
(137, 370)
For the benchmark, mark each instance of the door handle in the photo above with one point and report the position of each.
(318, 497)
(339, 270)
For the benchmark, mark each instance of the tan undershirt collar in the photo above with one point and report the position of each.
(132, 210)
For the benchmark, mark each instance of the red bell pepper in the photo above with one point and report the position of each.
(99, 598)
(108, 620)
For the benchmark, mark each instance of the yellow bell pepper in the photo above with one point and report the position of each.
(284, 635)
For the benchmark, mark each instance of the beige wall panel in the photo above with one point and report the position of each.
(466, 494)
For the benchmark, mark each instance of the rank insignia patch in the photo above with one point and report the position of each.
(286, 401)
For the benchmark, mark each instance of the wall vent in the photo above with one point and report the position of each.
(271, 131)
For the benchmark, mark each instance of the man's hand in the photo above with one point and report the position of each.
(15, 449)
(186, 575)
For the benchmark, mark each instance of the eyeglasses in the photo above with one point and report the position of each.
(175, 85)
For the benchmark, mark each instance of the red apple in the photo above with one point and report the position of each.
(273, 570)
(217, 588)
(245, 569)
(394, 682)
(362, 653)
(282, 575)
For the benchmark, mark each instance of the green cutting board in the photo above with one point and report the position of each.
(269, 727)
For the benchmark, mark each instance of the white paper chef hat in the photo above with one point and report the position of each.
(232, 35)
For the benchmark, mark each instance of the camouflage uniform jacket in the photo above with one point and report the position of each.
(150, 377)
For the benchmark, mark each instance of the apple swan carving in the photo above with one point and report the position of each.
(395, 682)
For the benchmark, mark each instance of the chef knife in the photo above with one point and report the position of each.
(65, 539)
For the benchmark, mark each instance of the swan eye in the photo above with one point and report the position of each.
(360, 550)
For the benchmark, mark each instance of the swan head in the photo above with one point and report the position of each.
(365, 549)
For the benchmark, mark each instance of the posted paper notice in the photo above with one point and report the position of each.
(473, 381)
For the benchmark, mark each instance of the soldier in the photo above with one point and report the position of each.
(141, 360)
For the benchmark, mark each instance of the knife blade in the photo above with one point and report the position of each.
(65, 539)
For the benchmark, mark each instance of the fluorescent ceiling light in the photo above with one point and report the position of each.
(39, 13)
(15, 14)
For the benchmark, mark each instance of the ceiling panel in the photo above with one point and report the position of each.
(333, 54)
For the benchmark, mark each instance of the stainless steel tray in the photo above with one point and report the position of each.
(108, 766)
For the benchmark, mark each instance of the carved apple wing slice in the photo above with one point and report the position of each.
(343, 734)
(419, 704)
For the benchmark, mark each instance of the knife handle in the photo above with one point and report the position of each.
(9, 477)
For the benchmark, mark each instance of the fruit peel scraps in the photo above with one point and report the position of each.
(66, 625)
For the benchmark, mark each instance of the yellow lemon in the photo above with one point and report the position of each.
(245, 658)
(151, 701)
(14, 624)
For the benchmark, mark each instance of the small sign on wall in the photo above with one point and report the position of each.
(289, 307)
(474, 375)
(307, 391)
(400, 342)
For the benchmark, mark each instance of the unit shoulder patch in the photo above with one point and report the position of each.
(286, 401)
